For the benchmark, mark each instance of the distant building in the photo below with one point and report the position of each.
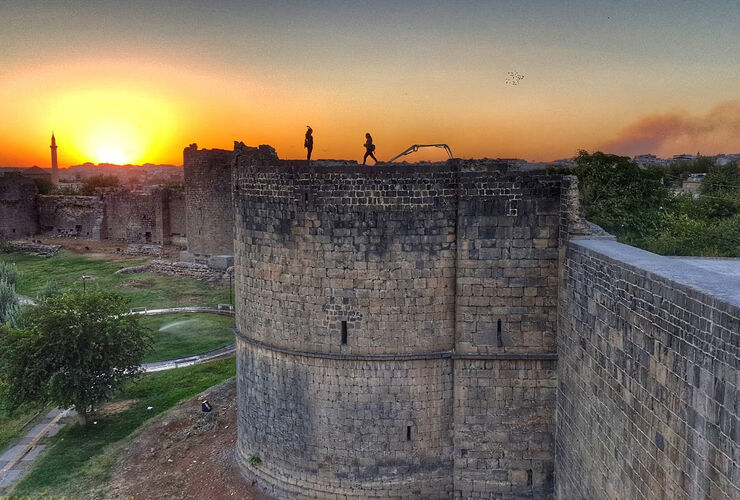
(648, 160)
(684, 157)
(31, 172)
(723, 159)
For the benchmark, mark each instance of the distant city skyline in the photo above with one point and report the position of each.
(137, 82)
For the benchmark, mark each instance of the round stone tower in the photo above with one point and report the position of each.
(377, 305)
(346, 291)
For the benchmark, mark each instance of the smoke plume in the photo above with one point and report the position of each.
(666, 134)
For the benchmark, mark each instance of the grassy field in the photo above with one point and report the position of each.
(143, 289)
(81, 457)
(184, 334)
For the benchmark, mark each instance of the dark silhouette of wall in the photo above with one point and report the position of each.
(18, 215)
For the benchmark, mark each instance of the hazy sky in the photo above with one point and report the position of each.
(138, 81)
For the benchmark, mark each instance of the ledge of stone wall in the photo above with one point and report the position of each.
(722, 286)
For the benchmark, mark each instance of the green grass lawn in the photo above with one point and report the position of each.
(184, 334)
(143, 289)
(81, 457)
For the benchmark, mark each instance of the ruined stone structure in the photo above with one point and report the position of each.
(399, 328)
(396, 328)
(208, 203)
(151, 217)
(17, 205)
(72, 216)
(154, 216)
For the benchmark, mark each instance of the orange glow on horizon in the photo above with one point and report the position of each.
(142, 112)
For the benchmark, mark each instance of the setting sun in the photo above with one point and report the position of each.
(113, 126)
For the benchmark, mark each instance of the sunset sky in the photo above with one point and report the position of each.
(137, 81)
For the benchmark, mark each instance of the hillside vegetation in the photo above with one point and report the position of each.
(639, 208)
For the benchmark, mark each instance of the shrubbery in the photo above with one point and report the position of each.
(635, 205)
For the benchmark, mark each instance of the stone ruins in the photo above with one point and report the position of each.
(442, 330)
(457, 330)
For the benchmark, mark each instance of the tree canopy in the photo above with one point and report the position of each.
(77, 349)
(636, 206)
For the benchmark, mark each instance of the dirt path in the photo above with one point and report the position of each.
(183, 454)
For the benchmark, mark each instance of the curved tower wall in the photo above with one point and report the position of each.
(349, 282)
(209, 212)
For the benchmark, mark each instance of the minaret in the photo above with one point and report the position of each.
(54, 166)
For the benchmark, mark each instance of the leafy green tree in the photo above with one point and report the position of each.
(721, 178)
(78, 350)
(619, 195)
(678, 170)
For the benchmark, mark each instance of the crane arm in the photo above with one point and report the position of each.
(416, 147)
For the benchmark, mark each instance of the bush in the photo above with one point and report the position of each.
(98, 181)
(10, 310)
(633, 204)
(721, 179)
(49, 289)
(686, 236)
(44, 186)
(8, 272)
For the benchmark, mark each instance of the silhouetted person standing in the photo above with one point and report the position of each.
(369, 148)
(308, 143)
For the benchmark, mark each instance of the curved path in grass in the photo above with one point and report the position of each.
(17, 460)
(170, 364)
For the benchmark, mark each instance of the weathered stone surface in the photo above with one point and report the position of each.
(647, 403)
(143, 217)
(371, 360)
(221, 262)
(18, 216)
(72, 216)
(39, 249)
(208, 202)
(180, 269)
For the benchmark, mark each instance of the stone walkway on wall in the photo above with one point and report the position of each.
(18, 459)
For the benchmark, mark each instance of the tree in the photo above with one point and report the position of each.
(99, 181)
(45, 186)
(78, 350)
(618, 194)
(721, 178)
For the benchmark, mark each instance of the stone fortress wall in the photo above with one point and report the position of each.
(208, 203)
(117, 214)
(72, 216)
(647, 403)
(17, 206)
(396, 327)
(459, 330)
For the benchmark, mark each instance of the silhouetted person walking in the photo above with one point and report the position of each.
(369, 148)
(308, 143)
